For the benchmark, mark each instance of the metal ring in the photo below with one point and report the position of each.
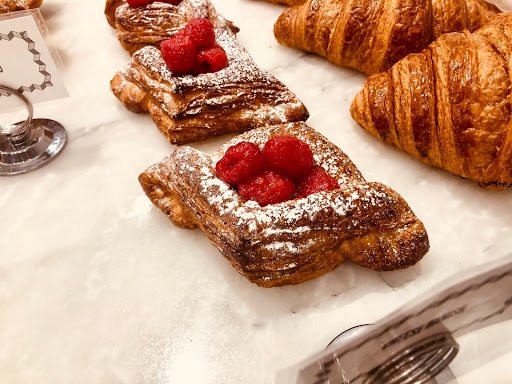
(18, 128)
(348, 334)
(418, 363)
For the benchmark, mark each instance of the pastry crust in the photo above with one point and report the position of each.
(372, 35)
(18, 5)
(138, 27)
(288, 2)
(449, 106)
(296, 240)
(191, 108)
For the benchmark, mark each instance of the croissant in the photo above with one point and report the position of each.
(296, 240)
(151, 24)
(18, 5)
(192, 108)
(372, 35)
(450, 105)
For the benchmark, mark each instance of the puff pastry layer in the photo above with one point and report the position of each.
(151, 24)
(288, 2)
(191, 108)
(296, 240)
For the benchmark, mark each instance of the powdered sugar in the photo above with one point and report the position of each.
(241, 69)
(240, 96)
(322, 151)
(297, 219)
(297, 239)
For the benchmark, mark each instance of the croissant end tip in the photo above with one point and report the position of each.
(357, 108)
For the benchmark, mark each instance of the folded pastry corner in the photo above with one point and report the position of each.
(18, 5)
(372, 35)
(192, 108)
(297, 240)
(153, 23)
(449, 106)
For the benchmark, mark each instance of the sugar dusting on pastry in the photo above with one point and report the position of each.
(234, 91)
(191, 108)
(321, 152)
(284, 218)
(241, 67)
(296, 240)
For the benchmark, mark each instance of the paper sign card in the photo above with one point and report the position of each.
(27, 64)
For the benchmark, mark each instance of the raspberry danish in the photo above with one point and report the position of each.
(296, 239)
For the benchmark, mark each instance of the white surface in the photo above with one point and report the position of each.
(97, 286)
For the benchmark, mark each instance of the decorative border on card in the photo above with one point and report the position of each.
(37, 59)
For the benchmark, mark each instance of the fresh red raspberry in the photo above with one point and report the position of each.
(318, 180)
(211, 59)
(138, 3)
(288, 155)
(240, 162)
(180, 34)
(268, 188)
(173, 2)
(180, 55)
(200, 32)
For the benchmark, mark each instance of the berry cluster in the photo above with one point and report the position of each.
(283, 171)
(193, 50)
(140, 3)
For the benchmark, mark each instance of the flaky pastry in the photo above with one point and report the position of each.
(191, 108)
(288, 2)
(151, 24)
(297, 240)
(18, 5)
(372, 35)
(449, 106)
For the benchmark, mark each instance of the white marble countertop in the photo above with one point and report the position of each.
(97, 286)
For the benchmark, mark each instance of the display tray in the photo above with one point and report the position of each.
(98, 286)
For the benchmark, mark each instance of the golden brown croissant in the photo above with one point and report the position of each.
(449, 106)
(372, 35)
(18, 5)
(191, 108)
(297, 240)
(151, 24)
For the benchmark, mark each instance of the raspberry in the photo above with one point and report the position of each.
(318, 180)
(268, 188)
(211, 59)
(138, 3)
(180, 55)
(289, 156)
(180, 34)
(240, 162)
(200, 32)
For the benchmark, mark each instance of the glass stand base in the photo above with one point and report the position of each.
(36, 147)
